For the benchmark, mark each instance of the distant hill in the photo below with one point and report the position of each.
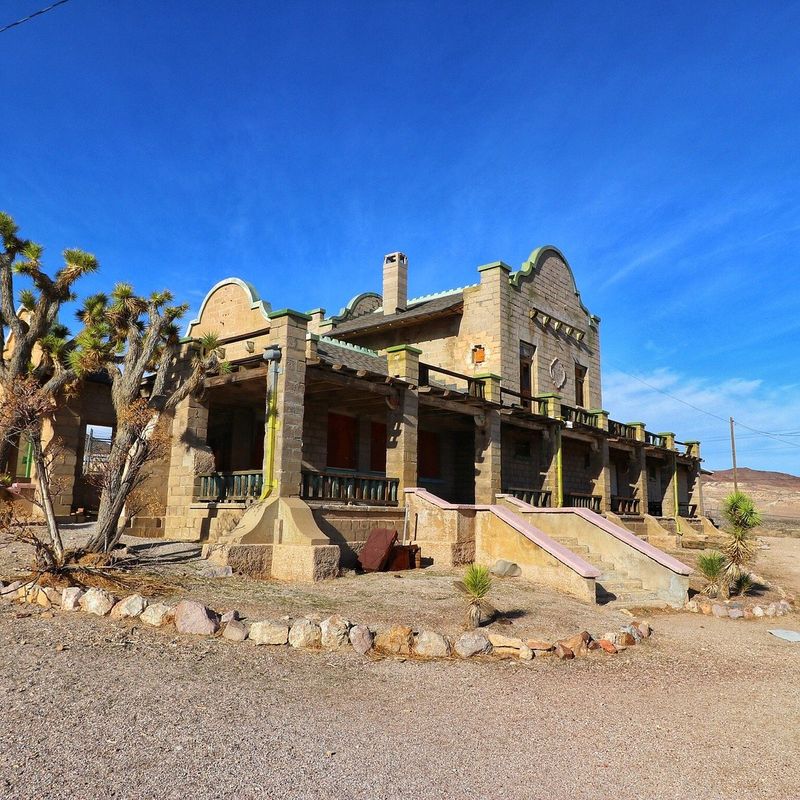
(776, 495)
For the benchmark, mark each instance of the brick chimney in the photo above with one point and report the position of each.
(395, 283)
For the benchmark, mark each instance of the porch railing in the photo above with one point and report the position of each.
(228, 487)
(349, 488)
(625, 505)
(579, 415)
(654, 439)
(654, 508)
(541, 498)
(621, 430)
(536, 405)
(474, 386)
(577, 500)
(688, 510)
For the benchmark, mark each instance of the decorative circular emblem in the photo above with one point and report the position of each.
(557, 373)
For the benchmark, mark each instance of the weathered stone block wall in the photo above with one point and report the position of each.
(577, 466)
(519, 470)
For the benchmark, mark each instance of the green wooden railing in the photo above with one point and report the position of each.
(655, 439)
(579, 415)
(541, 498)
(349, 488)
(577, 500)
(621, 430)
(228, 487)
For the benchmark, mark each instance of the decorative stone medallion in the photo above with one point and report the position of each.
(557, 373)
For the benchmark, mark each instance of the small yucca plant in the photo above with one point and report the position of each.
(476, 584)
(742, 583)
(712, 566)
(740, 546)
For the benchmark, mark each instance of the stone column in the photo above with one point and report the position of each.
(554, 480)
(488, 460)
(401, 422)
(639, 465)
(288, 331)
(669, 506)
(696, 489)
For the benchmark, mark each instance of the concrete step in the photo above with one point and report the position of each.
(619, 584)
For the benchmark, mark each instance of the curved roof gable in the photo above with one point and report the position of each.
(251, 293)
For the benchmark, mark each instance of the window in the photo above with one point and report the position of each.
(341, 441)
(377, 447)
(96, 448)
(526, 354)
(580, 386)
(428, 455)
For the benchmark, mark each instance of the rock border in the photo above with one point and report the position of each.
(192, 618)
(736, 609)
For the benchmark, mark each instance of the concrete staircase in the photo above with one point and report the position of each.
(613, 584)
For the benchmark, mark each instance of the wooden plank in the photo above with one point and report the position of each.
(236, 377)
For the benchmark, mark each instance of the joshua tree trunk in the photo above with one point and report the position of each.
(46, 493)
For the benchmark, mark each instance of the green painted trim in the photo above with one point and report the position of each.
(403, 348)
(530, 266)
(289, 312)
(598, 411)
(635, 423)
(256, 303)
(495, 265)
(488, 375)
(665, 433)
(547, 395)
(316, 311)
(692, 441)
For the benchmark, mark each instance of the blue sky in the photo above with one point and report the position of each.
(295, 144)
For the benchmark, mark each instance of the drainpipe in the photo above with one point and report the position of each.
(559, 470)
(272, 355)
(676, 496)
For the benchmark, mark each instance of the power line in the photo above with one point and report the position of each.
(35, 14)
(702, 410)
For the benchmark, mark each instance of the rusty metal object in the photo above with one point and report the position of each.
(377, 550)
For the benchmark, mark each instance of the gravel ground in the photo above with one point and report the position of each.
(93, 709)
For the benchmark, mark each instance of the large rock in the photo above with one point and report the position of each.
(758, 611)
(397, 641)
(736, 613)
(48, 597)
(430, 644)
(473, 643)
(334, 632)
(564, 653)
(579, 643)
(506, 569)
(157, 614)
(305, 633)
(195, 619)
(10, 592)
(607, 646)
(361, 639)
(132, 606)
(269, 632)
(70, 598)
(97, 601)
(215, 571)
(540, 645)
(633, 631)
(624, 639)
(645, 629)
(509, 646)
(719, 610)
(235, 631)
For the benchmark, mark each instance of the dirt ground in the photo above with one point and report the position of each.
(708, 708)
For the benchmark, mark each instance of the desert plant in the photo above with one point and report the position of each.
(742, 583)
(712, 566)
(740, 546)
(476, 584)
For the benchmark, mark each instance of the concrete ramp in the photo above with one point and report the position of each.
(630, 570)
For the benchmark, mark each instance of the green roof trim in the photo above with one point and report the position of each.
(400, 348)
(289, 312)
(494, 265)
(488, 375)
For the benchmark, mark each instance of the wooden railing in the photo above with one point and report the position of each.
(536, 405)
(625, 505)
(228, 487)
(688, 510)
(579, 415)
(541, 498)
(654, 508)
(621, 430)
(654, 439)
(349, 488)
(577, 500)
(474, 386)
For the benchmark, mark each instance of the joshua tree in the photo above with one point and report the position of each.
(740, 546)
(476, 584)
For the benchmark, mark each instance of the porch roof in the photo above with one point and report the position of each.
(357, 358)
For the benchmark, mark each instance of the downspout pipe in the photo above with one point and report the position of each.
(272, 355)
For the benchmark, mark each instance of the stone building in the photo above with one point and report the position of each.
(428, 415)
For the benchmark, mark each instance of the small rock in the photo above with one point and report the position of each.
(705, 606)
(132, 606)
(506, 569)
(361, 639)
(736, 613)
(539, 644)
(748, 613)
(70, 598)
(579, 643)
(525, 653)
(645, 629)
(212, 571)
(195, 619)
(430, 644)
(624, 639)
(634, 631)
(334, 632)
(235, 631)
(157, 614)
(10, 591)
(472, 643)
(719, 611)
(398, 640)
(97, 601)
(564, 653)
(305, 633)
(229, 616)
(269, 632)
(48, 597)
(692, 606)
(607, 646)
(498, 640)
(758, 611)
(771, 610)
(785, 605)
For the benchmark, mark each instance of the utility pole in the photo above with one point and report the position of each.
(733, 456)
